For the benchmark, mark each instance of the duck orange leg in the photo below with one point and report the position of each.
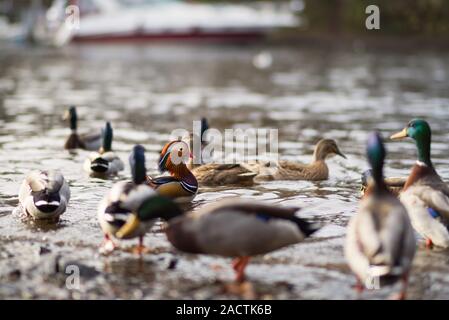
(107, 245)
(235, 263)
(239, 266)
(359, 287)
(429, 243)
(403, 294)
(140, 248)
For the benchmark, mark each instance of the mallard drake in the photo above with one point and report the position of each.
(230, 228)
(122, 200)
(89, 141)
(215, 174)
(104, 162)
(425, 195)
(289, 170)
(181, 184)
(44, 195)
(380, 242)
(393, 184)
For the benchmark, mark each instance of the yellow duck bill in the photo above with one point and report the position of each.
(129, 227)
(399, 135)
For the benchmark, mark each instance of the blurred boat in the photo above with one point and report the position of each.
(121, 20)
(49, 27)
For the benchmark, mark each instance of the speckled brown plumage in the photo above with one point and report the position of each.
(213, 174)
(289, 170)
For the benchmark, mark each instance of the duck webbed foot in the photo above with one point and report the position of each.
(239, 266)
(107, 246)
(358, 286)
(140, 249)
(429, 243)
(403, 294)
(243, 289)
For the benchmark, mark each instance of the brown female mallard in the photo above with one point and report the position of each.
(215, 174)
(289, 170)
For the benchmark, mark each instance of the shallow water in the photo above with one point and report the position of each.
(146, 91)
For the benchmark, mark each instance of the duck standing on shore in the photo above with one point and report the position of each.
(229, 228)
(425, 195)
(122, 200)
(380, 242)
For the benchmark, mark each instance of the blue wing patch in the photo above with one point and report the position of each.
(163, 180)
(433, 213)
(263, 217)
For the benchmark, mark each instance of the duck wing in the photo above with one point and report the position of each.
(294, 166)
(380, 239)
(263, 211)
(223, 174)
(91, 141)
(436, 199)
(234, 228)
(41, 180)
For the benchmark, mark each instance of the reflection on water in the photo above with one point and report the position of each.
(147, 91)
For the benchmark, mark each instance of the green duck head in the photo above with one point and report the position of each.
(137, 164)
(204, 128)
(418, 130)
(72, 117)
(154, 207)
(376, 153)
(108, 134)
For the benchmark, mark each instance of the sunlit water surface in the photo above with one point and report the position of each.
(147, 91)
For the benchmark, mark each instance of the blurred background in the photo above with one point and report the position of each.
(308, 68)
(287, 20)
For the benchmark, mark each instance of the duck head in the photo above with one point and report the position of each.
(418, 130)
(325, 148)
(72, 117)
(204, 128)
(154, 207)
(137, 164)
(107, 134)
(376, 153)
(174, 156)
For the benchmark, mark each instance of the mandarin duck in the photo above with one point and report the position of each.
(181, 184)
